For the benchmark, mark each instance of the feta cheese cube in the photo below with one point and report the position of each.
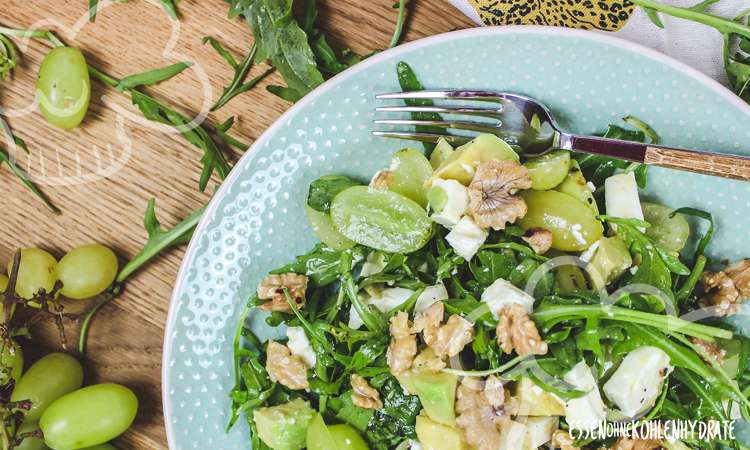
(430, 296)
(512, 436)
(502, 293)
(587, 412)
(621, 196)
(539, 430)
(388, 299)
(456, 202)
(636, 384)
(300, 346)
(466, 238)
(374, 264)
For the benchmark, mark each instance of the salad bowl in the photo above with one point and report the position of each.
(256, 221)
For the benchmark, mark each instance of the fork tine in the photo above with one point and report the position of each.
(423, 137)
(457, 124)
(442, 94)
(495, 113)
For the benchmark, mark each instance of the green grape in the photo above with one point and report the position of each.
(11, 362)
(48, 379)
(347, 437)
(37, 271)
(326, 231)
(319, 437)
(573, 225)
(89, 416)
(410, 169)
(101, 447)
(30, 443)
(382, 220)
(87, 271)
(670, 233)
(547, 171)
(575, 185)
(3, 283)
(63, 87)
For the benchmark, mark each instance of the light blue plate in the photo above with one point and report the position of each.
(256, 222)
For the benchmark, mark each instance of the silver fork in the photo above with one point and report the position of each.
(709, 163)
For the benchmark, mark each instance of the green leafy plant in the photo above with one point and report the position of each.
(241, 71)
(159, 240)
(199, 135)
(6, 158)
(736, 33)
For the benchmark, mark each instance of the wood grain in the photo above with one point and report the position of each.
(126, 338)
(716, 164)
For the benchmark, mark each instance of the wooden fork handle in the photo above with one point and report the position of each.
(707, 163)
(717, 164)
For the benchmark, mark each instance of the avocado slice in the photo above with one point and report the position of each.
(462, 163)
(574, 184)
(435, 436)
(442, 151)
(284, 427)
(437, 392)
(611, 259)
(535, 401)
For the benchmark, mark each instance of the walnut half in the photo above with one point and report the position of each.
(727, 289)
(403, 346)
(453, 336)
(482, 409)
(287, 369)
(516, 331)
(539, 239)
(709, 350)
(492, 200)
(272, 288)
(364, 395)
(563, 440)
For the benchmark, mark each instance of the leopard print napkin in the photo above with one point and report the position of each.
(694, 44)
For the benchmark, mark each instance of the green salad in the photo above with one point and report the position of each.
(474, 298)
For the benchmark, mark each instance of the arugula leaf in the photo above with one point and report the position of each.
(152, 77)
(241, 70)
(399, 23)
(285, 93)
(322, 265)
(93, 6)
(170, 6)
(324, 189)
(347, 412)
(396, 421)
(17, 171)
(280, 39)
(598, 168)
(409, 82)
(213, 159)
(706, 238)
(656, 264)
(158, 240)
(8, 57)
(327, 60)
(222, 133)
(737, 30)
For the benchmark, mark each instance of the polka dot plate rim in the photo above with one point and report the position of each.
(255, 221)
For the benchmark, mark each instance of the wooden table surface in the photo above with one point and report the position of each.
(125, 344)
